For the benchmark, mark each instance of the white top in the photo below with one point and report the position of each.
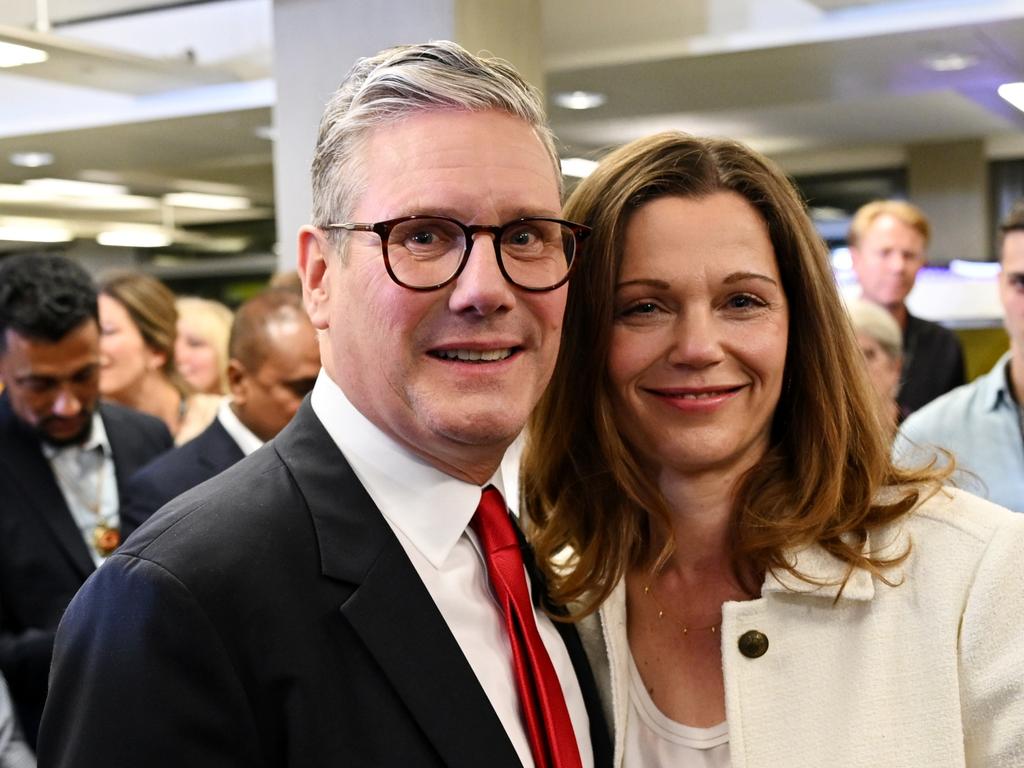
(429, 512)
(86, 478)
(241, 434)
(652, 739)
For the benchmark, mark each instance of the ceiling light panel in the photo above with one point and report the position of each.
(208, 202)
(13, 55)
(31, 159)
(1013, 93)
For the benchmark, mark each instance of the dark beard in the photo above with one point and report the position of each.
(77, 439)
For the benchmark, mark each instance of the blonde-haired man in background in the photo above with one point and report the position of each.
(888, 243)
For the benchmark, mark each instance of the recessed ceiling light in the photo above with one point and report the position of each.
(31, 159)
(134, 238)
(578, 167)
(74, 188)
(951, 62)
(1013, 93)
(209, 202)
(580, 99)
(13, 55)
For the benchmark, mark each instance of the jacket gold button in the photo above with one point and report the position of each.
(753, 644)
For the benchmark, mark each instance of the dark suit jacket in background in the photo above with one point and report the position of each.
(208, 454)
(43, 559)
(271, 618)
(933, 364)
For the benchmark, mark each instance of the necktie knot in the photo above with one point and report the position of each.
(492, 524)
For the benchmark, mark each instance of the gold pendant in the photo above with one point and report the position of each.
(105, 539)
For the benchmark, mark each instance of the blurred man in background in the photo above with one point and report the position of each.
(273, 361)
(982, 423)
(888, 243)
(64, 460)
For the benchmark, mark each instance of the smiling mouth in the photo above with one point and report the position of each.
(474, 355)
(702, 395)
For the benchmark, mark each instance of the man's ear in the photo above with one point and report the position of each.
(312, 267)
(238, 381)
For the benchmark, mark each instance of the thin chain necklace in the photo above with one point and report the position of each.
(105, 538)
(686, 630)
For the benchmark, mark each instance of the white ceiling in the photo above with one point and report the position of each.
(838, 81)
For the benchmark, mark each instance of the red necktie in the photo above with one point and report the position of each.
(548, 726)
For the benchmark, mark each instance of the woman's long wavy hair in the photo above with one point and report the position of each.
(584, 485)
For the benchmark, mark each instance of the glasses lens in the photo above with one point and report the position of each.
(537, 253)
(425, 252)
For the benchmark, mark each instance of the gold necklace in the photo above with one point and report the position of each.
(713, 628)
(105, 538)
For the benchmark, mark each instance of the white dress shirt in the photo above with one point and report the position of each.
(86, 478)
(247, 442)
(430, 512)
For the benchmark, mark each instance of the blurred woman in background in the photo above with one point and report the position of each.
(201, 348)
(881, 344)
(713, 497)
(138, 325)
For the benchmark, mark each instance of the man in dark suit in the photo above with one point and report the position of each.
(355, 592)
(64, 460)
(273, 361)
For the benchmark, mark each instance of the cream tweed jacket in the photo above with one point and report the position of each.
(925, 674)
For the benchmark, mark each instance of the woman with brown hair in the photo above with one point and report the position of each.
(712, 494)
(137, 332)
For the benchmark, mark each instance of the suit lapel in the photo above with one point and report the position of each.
(30, 470)
(390, 608)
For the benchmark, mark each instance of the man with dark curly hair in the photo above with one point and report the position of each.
(64, 457)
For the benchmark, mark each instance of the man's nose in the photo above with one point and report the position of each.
(67, 404)
(481, 287)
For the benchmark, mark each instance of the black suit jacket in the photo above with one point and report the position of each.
(271, 618)
(933, 363)
(43, 559)
(207, 455)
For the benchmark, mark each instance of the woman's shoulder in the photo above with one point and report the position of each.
(956, 538)
(954, 512)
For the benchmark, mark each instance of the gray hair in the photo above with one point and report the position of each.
(397, 83)
(875, 321)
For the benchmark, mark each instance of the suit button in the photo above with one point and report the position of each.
(753, 644)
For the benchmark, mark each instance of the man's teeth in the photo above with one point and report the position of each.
(473, 355)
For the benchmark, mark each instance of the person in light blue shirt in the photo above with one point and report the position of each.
(982, 423)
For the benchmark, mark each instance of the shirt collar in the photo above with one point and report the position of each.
(431, 508)
(97, 440)
(237, 431)
(994, 386)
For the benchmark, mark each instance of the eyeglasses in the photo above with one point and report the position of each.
(424, 253)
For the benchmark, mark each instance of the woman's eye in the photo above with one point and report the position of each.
(745, 301)
(641, 308)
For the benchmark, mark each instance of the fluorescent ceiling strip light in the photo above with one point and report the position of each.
(208, 202)
(134, 238)
(74, 188)
(35, 233)
(13, 55)
(1013, 93)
